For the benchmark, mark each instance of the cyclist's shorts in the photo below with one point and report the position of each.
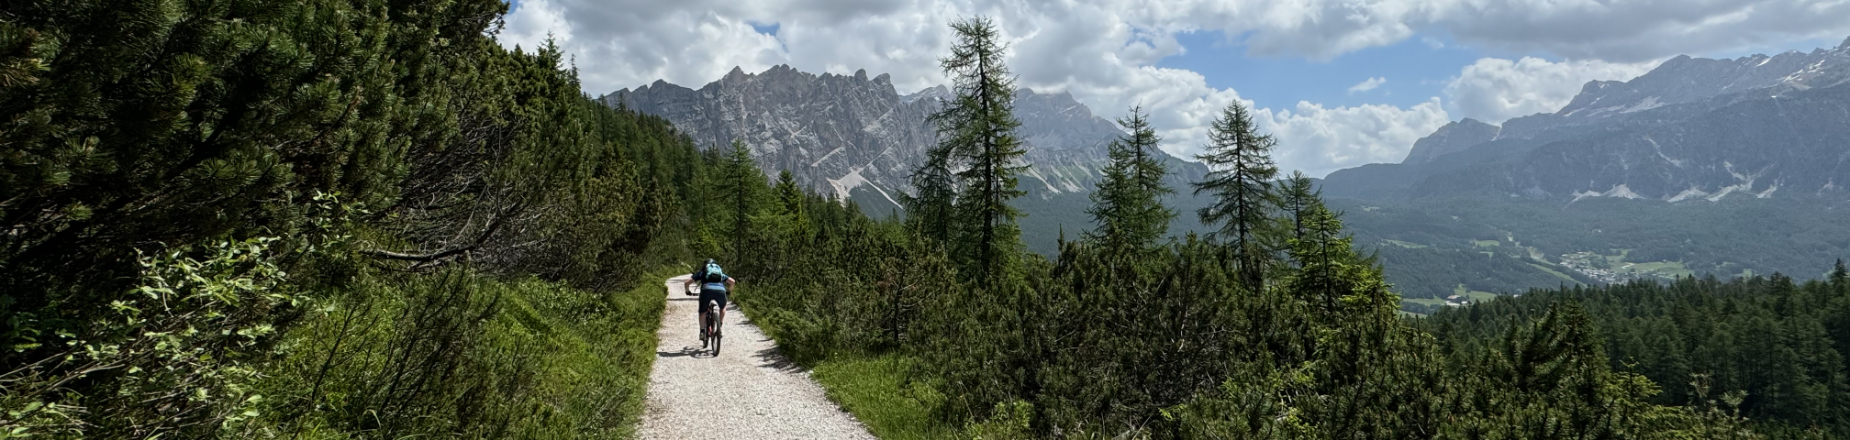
(708, 296)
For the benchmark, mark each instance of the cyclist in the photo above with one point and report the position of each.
(714, 284)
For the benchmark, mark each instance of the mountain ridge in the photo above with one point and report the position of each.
(1654, 136)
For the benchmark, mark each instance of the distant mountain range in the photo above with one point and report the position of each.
(858, 138)
(1701, 166)
(1691, 129)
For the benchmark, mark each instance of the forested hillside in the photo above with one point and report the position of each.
(365, 219)
(1771, 345)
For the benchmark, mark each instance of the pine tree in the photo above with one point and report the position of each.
(1127, 206)
(1240, 178)
(977, 131)
(1839, 276)
(789, 196)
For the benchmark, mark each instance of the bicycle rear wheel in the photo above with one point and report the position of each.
(717, 335)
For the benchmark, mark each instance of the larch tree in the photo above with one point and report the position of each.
(1240, 179)
(976, 132)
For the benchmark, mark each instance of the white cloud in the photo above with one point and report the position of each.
(1367, 84)
(1494, 90)
(1319, 140)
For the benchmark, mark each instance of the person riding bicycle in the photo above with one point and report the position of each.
(714, 284)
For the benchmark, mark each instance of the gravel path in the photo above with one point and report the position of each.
(748, 392)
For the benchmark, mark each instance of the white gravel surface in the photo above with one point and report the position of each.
(748, 392)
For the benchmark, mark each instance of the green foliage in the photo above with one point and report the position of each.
(1777, 342)
(930, 208)
(1127, 206)
(451, 352)
(176, 352)
(154, 146)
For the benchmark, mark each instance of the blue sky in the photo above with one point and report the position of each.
(1296, 63)
(1414, 70)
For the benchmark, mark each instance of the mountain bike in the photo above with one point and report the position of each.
(709, 335)
(711, 332)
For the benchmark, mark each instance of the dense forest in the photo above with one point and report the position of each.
(1773, 345)
(365, 219)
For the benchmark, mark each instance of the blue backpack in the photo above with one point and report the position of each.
(714, 274)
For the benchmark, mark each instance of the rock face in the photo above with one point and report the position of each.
(859, 138)
(1451, 138)
(1691, 129)
(835, 133)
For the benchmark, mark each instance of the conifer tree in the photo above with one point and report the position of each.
(977, 132)
(1127, 206)
(735, 188)
(1839, 276)
(1299, 198)
(1240, 178)
(930, 209)
(789, 196)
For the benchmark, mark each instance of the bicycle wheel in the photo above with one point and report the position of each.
(717, 335)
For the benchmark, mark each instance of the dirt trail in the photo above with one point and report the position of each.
(748, 392)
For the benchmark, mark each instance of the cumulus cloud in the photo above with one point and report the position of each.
(1104, 51)
(1639, 30)
(1319, 140)
(1367, 84)
(1494, 90)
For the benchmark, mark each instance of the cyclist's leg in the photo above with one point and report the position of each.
(707, 298)
(722, 297)
(700, 314)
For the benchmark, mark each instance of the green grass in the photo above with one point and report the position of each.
(1405, 244)
(1564, 277)
(530, 359)
(1435, 302)
(876, 392)
(1473, 295)
(1660, 268)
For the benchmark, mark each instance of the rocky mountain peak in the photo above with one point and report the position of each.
(737, 75)
(1686, 79)
(1451, 138)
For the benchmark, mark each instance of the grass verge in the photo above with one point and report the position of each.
(875, 390)
(459, 354)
